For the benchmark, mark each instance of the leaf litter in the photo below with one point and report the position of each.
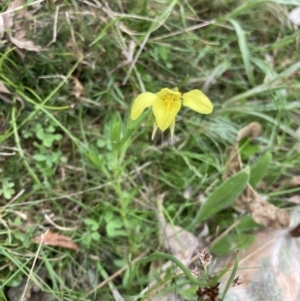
(262, 212)
(174, 237)
(5, 95)
(2, 27)
(265, 262)
(269, 268)
(56, 240)
(294, 16)
(177, 241)
(32, 292)
(14, 19)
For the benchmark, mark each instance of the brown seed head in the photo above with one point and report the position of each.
(237, 281)
(205, 258)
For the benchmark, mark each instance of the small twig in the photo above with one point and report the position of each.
(142, 47)
(7, 154)
(4, 223)
(54, 26)
(177, 32)
(33, 265)
(136, 57)
(48, 219)
(16, 197)
(71, 29)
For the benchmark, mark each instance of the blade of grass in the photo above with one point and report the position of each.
(244, 7)
(271, 85)
(155, 25)
(242, 41)
(232, 275)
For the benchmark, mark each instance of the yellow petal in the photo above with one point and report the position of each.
(197, 101)
(167, 93)
(165, 113)
(143, 101)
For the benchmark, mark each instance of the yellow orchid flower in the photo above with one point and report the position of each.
(167, 103)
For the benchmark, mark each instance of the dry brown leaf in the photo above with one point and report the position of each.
(294, 199)
(176, 240)
(294, 16)
(10, 16)
(56, 240)
(293, 182)
(269, 269)
(12, 11)
(180, 243)
(77, 88)
(268, 215)
(2, 27)
(3, 95)
(20, 25)
(3, 88)
(252, 131)
(263, 212)
(25, 44)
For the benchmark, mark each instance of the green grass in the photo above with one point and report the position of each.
(81, 160)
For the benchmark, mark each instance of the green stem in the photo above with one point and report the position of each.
(19, 147)
(177, 262)
(118, 190)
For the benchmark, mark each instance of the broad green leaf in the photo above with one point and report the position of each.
(231, 241)
(8, 193)
(86, 239)
(114, 228)
(101, 142)
(50, 138)
(223, 196)
(259, 168)
(94, 158)
(247, 223)
(116, 130)
(96, 236)
(39, 157)
(221, 246)
(7, 188)
(247, 149)
(40, 133)
(108, 216)
(94, 225)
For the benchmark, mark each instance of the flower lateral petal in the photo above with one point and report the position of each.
(165, 114)
(197, 101)
(143, 101)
